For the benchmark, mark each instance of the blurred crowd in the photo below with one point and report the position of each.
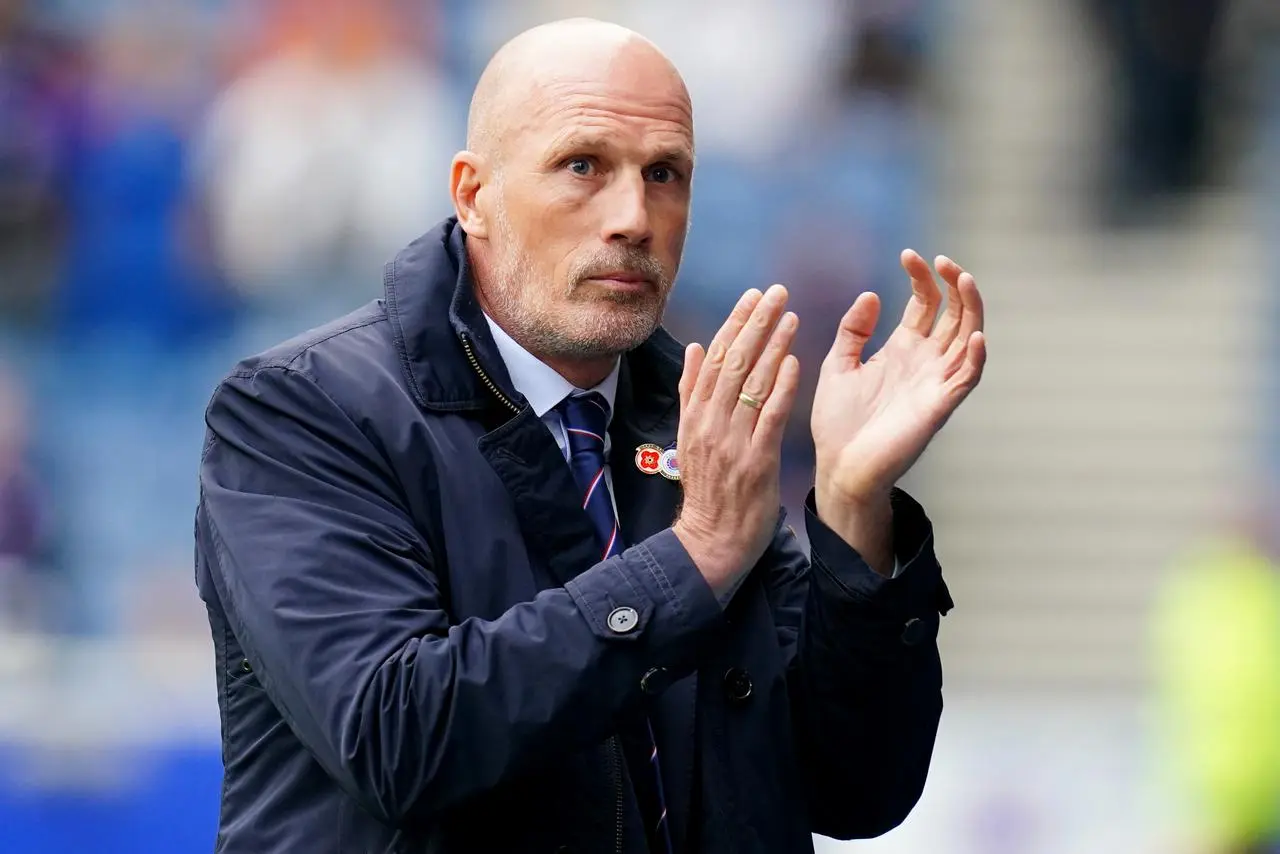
(184, 182)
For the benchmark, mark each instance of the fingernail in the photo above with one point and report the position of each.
(749, 297)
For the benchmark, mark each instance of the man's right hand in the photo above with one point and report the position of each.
(730, 452)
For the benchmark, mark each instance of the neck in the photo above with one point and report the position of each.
(582, 373)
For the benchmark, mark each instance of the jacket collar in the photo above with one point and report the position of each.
(432, 308)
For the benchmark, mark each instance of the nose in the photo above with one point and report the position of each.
(627, 212)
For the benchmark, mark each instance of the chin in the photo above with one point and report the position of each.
(617, 330)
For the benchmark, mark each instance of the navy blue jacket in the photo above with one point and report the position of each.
(412, 635)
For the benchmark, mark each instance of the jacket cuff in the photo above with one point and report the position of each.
(654, 592)
(917, 591)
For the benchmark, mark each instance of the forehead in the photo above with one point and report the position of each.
(646, 112)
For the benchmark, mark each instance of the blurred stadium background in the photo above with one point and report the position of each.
(185, 181)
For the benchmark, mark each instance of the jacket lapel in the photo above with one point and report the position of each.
(647, 503)
(552, 522)
(646, 412)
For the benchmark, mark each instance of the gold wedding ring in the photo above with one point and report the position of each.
(750, 401)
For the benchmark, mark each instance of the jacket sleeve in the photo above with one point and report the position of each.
(864, 675)
(332, 592)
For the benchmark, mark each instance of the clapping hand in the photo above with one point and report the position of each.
(872, 419)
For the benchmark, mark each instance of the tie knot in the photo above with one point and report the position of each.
(586, 418)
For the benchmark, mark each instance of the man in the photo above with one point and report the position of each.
(459, 599)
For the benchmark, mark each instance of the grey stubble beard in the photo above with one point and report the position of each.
(551, 334)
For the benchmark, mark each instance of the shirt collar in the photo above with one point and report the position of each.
(540, 384)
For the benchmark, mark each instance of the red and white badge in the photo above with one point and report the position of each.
(649, 458)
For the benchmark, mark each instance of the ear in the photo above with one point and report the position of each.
(467, 177)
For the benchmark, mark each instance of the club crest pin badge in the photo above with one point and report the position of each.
(669, 464)
(649, 458)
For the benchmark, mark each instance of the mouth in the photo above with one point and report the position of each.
(622, 280)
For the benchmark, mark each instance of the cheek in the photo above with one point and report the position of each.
(673, 242)
(678, 236)
(541, 208)
(670, 219)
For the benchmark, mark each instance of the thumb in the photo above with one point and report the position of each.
(855, 330)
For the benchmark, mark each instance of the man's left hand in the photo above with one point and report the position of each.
(871, 420)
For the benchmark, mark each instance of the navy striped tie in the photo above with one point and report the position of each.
(586, 419)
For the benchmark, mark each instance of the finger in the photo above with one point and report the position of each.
(855, 330)
(954, 357)
(693, 356)
(772, 423)
(922, 308)
(968, 370)
(949, 324)
(719, 345)
(759, 383)
(974, 311)
(746, 348)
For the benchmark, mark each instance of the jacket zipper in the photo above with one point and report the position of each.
(615, 773)
(492, 386)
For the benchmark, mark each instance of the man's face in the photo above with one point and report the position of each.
(590, 207)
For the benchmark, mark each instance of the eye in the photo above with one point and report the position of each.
(663, 174)
(579, 166)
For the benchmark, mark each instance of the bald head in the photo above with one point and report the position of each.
(574, 191)
(551, 58)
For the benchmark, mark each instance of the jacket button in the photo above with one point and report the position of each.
(737, 684)
(622, 620)
(916, 631)
(245, 666)
(655, 681)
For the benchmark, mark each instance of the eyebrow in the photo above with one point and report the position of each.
(591, 143)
